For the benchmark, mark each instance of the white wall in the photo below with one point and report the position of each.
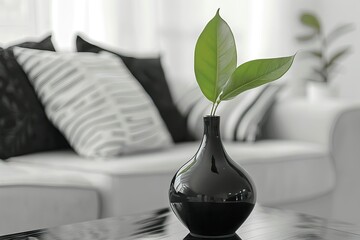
(273, 27)
(279, 25)
(333, 14)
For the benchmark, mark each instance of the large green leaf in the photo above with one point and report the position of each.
(310, 20)
(255, 73)
(215, 57)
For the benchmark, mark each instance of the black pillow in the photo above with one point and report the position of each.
(24, 127)
(150, 74)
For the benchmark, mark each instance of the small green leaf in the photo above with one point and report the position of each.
(322, 74)
(314, 53)
(306, 38)
(339, 31)
(336, 56)
(215, 57)
(255, 73)
(312, 80)
(310, 20)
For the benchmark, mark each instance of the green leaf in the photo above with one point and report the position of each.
(315, 53)
(310, 20)
(339, 31)
(255, 73)
(306, 38)
(312, 80)
(336, 56)
(322, 74)
(215, 57)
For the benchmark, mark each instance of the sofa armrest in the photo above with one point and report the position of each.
(336, 125)
(319, 122)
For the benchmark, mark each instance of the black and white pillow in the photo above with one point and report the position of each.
(24, 126)
(95, 102)
(151, 76)
(241, 118)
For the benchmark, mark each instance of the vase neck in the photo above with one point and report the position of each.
(212, 127)
(211, 144)
(211, 138)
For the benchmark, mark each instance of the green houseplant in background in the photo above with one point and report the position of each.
(211, 194)
(325, 57)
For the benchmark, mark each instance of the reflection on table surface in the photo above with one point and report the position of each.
(263, 224)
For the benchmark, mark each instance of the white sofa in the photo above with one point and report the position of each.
(309, 155)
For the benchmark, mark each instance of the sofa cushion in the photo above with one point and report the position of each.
(31, 199)
(95, 102)
(283, 171)
(150, 74)
(241, 118)
(24, 127)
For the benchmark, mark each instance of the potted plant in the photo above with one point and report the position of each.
(326, 59)
(211, 194)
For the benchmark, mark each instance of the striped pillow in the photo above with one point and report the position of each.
(95, 102)
(241, 118)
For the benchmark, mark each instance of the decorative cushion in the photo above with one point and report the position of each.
(241, 118)
(95, 101)
(150, 74)
(24, 127)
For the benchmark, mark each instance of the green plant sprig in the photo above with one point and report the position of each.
(216, 70)
(327, 62)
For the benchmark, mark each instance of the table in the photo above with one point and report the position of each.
(263, 224)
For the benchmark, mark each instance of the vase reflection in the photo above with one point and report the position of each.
(190, 237)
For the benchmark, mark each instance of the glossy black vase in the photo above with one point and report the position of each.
(212, 195)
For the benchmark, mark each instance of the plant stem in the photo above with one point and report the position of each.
(216, 106)
(323, 49)
(212, 109)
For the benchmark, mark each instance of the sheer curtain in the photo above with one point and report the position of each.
(22, 20)
(147, 27)
(127, 25)
(262, 28)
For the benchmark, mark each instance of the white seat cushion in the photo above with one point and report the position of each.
(31, 199)
(283, 171)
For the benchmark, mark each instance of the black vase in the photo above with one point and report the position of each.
(212, 195)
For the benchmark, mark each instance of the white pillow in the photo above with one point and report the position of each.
(94, 100)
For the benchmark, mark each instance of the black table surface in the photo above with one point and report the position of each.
(263, 224)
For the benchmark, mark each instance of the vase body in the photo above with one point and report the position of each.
(212, 195)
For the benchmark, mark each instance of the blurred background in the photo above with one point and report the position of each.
(262, 28)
